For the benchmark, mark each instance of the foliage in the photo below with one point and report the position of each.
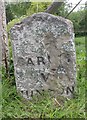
(37, 7)
(78, 19)
(63, 10)
(16, 10)
(28, 8)
(9, 14)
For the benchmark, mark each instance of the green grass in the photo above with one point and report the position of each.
(14, 106)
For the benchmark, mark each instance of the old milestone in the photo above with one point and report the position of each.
(44, 55)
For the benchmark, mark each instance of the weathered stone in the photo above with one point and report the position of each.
(44, 55)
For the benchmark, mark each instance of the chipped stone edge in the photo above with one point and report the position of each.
(28, 19)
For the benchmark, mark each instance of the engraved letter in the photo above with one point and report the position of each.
(40, 59)
(68, 89)
(44, 77)
(30, 61)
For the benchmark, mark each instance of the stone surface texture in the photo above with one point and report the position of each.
(44, 55)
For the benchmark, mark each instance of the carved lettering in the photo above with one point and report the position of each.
(49, 58)
(44, 77)
(26, 92)
(39, 60)
(38, 92)
(30, 61)
(22, 91)
(68, 90)
(31, 93)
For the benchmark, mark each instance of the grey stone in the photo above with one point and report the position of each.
(44, 55)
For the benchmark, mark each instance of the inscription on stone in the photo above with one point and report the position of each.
(44, 55)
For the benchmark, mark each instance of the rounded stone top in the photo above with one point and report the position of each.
(44, 17)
